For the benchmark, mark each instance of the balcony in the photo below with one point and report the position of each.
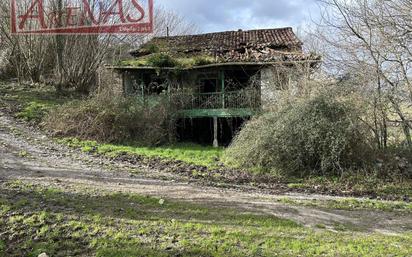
(221, 104)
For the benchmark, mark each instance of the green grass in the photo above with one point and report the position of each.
(189, 153)
(351, 204)
(357, 184)
(31, 103)
(2, 248)
(42, 94)
(81, 221)
(34, 111)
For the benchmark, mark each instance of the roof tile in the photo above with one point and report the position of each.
(264, 45)
(231, 40)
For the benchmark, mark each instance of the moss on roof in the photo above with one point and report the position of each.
(280, 38)
(255, 46)
(162, 60)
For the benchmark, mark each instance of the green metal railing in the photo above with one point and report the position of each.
(249, 98)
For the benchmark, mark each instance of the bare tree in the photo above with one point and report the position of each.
(78, 57)
(73, 61)
(371, 41)
(26, 53)
(170, 23)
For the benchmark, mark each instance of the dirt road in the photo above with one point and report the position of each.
(30, 156)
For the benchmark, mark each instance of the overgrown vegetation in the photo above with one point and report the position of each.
(318, 136)
(82, 221)
(203, 60)
(151, 48)
(34, 104)
(110, 118)
(31, 102)
(163, 60)
(358, 143)
(387, 178)
(34, 112)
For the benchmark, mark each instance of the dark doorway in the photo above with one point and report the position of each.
(200, 130)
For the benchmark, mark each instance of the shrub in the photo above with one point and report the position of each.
(318, 136)
(202, 60)
(161, 60)
(113, 119)
(34, 112)
(152, 48)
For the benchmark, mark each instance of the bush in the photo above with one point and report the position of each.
(34, 112)
(107, 118)
(151, 48)
(318, 136)
(202, 60)
(161, 60)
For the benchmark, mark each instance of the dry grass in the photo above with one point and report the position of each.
(108, 118)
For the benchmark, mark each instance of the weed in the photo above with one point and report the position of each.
(108, 118)
(34, 111)
(200, 60)
(152, 48)
(320, 226)
(32, 103)
(161, 60)
(23, 154)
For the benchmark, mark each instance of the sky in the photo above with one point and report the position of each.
(223, 15)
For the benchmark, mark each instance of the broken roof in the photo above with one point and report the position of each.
(253, 46)
(282, 38)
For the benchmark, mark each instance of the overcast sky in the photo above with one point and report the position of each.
(222, 15)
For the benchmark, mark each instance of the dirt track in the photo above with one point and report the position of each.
(28, 155)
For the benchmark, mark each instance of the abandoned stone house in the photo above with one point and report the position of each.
(219, 80)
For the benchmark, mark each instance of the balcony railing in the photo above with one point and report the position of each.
(229, 100)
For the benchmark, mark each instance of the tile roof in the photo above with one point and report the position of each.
(234, 40)
(264, 45)
(282, 38)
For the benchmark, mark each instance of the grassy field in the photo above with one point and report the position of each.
(82, 222)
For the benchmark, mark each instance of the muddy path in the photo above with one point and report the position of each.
(30, 156)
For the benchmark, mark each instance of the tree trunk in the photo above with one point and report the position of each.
(59, 50)
(405, 123)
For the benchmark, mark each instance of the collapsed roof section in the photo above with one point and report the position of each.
(253, 46)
